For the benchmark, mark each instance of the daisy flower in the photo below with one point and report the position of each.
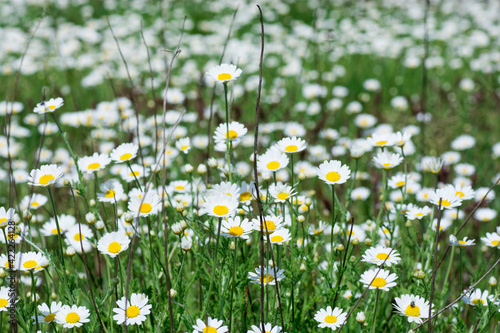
(66, 222)
(291, 145)
(266, 275)
(401, 138)
(33, 261)
(330, 318)
(6, 216)
(34, 202)
(417, 213)
(492, 239)
(148, 204)
(461, 243)
(111, 191)
(133, 312)
(49, 106)
(180, 186)
(93, 163)
(246, 190)
(313, 231)
(476, 297)
(272, 160)
(381, 140)
(45, 176)
(268, 328)
(5, 299)
(386, 160)
(212, 326)
(113, 243)
(236, 132)
(220, 205)
(224, 73)
(413, 307)
(448, 197)
(271, 223)
(397, 181)
(464, 192)
(236, 227)
(74, 316)
(183, 145)
(383, 280)
(124, 152)
(74, 236)
(365, 120)
(280, 236)
(377, 255)
(281, 192)
(431, 164)
(360, 193)
(485, 214)
(225, 188)
(48, 314)
(333, 172)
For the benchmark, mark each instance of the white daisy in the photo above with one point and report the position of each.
(333, 172)
(330, 318)
(124, 152)
(132, 312)
(45, 176)
(74, 316)
(383, 280)
(113, 243)
(224, 73)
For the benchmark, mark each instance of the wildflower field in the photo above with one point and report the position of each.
(232, 166)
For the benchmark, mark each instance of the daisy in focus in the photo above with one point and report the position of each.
(211, 326)
(96, 162)
(74, 316)
(291, 145)
(378, 254)
(148, 204)
(383, 280)
(49, 106)
(45, 176)
(113, 243)
(132, 312)
(236, 227)
(224, 73)
(461, 243)
(268, 328)
(124, 152)
(333, 172)
(415, 308)
(266, 275)
(330, 318)
(48, 314)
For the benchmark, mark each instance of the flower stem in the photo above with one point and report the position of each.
(331, 232)
(33, 294)
(59, 237)
(232, 283)
(374, 321)
(214, 260)
(228, 148)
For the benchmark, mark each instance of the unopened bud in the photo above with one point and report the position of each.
(53, 295)
(492, 281)
(368, 242)
(302, 267)
(232, 246)
(302, 176)
(2, 273)
(128, 218)
(301, 218)
(202, 169)
(212, 162)
(352, 259)
(408, 224)
(355, 241)
(27, 215)
(419, 274)
(173, 293)
(360, 317)
(66, 182)
(179, 207)
(70, 251)
(340, 247)
(90, 217)
(92, 202)
(188, 168)
(99, 225)
(308, 202)
(177, 228)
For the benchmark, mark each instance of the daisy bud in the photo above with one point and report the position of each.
(368, 242)
(492, 281)
(90, 217)
(183, 224)
(212, 162)
(173, 293)
(188, 168)
(232, 246)
(302, 267)
(70, 251)
(27, 215)
(348, 217)
(419, 274)
(92, 202)
(177, 228)
(302, 176)
(301, 218)
(186, 244)
(308, 202)
(252, 157)
(360, 317)
(271, 263)
(119, 212)
(115, 281)
(66, 182)
(2, 273)
(184, 213)
(202, 169)
(179, 207)
(53, 295)
(248, 242)
(408, 224)
(355, 241)
(128, 218)
(266, 176)
(340, 247)
(99, 225)
(352, 259)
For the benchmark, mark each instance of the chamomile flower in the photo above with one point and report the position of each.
(219, 205)
(132, 312)
(5, 299)
(461, 243)
(271, 223)
(236, 227)
(280, 236)
(333, 172)
(485, 214)
(417, 213)
(48, 314)
(6, 216)
(415, 308)
(45, 176)
(148, 204)
(315, 231)
(364, 120)
(266, 275)
(74, 316)
(224, 73)
(211, 326)
(268, 328)
(184, 145)
(401, 138)
(111, 191)
(33, 261)
(383, 280)
(492, 239)
(124, 152)
(381, 140)
(360, 194)
(464, 192)
(377, 255)
(448, 197)
(431, 164)
(225, 188)
(281, 192)
(330, 318)
(236, 132)
(476, 297)
(34, 202)
(291, 145)
(386, 160)
(78, 236)
(113, 243)
(49, 106)
(273, 160)
(397, 181)
(96, 162)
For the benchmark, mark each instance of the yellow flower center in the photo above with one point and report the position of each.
(267, 279)
(419, 214)
(179, 187)
(93, 166)
(114, 247)
(276, 239)
(54, 231)
(30, 264)
(72, 317)
(235, 231)
(460, 194)
(134, 173)
(273, 165)
(133, 311)
(184, 147)
(245, 196)
(477, 300)
(220, 210)
(209, 329)
(232, 134)
(125, 156)
(382, 256)
(401, 183)
(271, 227)
(379, 282)
(222, 77)
(381, 143)
(387, 165)
(283, 196)
(318, 231)
(110, 194)
(78, 237)
(495, 243)
(50, 317)
(445, 203)
(52, 107)
(35, 204)
(461, 242)
(291, 148)
(333, 176)
(3, 220)
(45, 179)
(330, 319)
(145, 208)
(412, 311)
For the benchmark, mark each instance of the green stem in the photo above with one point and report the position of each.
(33, 294)
(374, 321)
(228, 148)
(232, 284)
(382, 206)
(135, 177)
(214, 260)
(331, 233)
(59, 237)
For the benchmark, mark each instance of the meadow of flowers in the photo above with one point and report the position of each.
(218, 166)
